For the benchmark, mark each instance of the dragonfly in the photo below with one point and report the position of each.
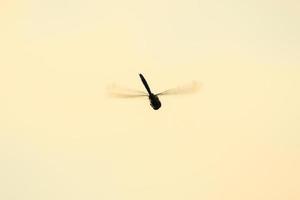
(155, 102)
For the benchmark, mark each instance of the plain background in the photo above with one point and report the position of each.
(62, 137)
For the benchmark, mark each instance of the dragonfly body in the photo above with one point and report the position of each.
(153, 97)
(154, 100)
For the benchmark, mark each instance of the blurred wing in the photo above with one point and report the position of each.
(122, 92)
(184, 89)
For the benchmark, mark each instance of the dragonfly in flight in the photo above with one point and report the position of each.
(155, 103)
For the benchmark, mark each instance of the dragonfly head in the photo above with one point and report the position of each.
(154, 101)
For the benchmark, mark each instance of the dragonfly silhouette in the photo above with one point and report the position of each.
(153, 98)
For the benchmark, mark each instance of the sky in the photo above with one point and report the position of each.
(63, 137)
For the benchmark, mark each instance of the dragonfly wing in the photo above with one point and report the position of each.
(184, 89)
(122, 92)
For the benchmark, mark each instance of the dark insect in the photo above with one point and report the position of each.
(155, 103)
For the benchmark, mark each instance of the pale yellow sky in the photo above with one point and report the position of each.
(62, 137)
